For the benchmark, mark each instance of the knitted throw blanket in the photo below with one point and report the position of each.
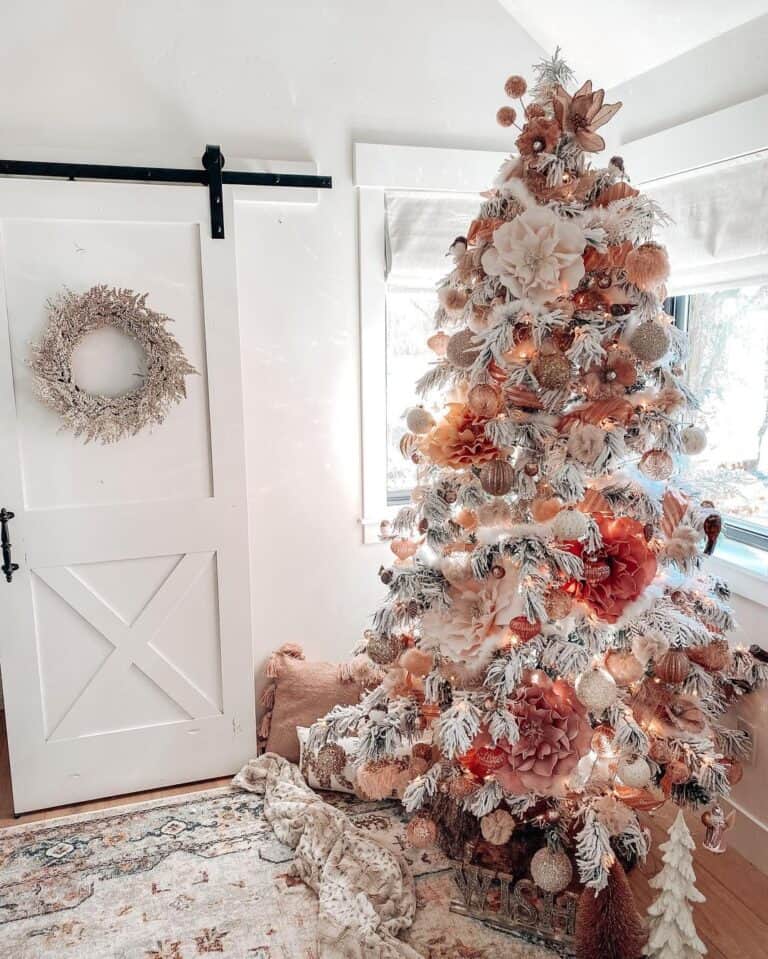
(365, 891)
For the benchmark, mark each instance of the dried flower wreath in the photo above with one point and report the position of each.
(108, 418)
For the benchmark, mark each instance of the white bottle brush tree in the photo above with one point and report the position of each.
(672, 933)
(553, 653)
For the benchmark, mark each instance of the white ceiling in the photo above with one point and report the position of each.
(612, 41)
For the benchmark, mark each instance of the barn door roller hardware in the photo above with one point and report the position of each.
(213, 175)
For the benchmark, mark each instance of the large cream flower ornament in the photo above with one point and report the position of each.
(476, 623)
(537, 256)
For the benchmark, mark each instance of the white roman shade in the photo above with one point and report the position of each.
(719, 237)
(420, 228)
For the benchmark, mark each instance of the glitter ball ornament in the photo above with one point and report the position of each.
(515, 87)
(677, 772)
(650, 341)
(673, 667)
(557, 604)
(403, 548)
(421, 832)
(330, 760)
(484, 400)
(551, 870)
(506, 116)
(596, 689)
(523, 629)
(624, 666)
(693, 440)
(660, 751)
(569, 524)
(377, 779)
(497, 477)
(462, 786)
(634, 772)
(462, 350)
(419, 420)
(497, 827)
(657, 464)
(552, 370)
(384, 650)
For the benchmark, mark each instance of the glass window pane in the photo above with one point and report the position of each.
(409, 324)
(728, 371)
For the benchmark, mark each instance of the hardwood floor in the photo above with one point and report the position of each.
(732, 922)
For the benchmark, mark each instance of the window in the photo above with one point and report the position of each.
(728, 372)
(420, 227)
(412, 202)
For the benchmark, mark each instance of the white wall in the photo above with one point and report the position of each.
(303, 80)
(288, 79)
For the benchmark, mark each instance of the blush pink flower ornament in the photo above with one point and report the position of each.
(554, 734)
(537, 256)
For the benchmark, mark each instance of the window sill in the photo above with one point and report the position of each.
(743, 567)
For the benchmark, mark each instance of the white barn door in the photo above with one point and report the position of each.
(125, 642)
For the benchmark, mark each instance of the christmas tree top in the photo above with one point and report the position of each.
(548, 628)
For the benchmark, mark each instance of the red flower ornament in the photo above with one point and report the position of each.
(631, 567)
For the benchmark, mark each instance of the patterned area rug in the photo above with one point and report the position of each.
(199, 875)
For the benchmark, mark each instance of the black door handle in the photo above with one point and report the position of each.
(8, 567)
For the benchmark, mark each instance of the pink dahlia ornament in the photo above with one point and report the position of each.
(554, 734)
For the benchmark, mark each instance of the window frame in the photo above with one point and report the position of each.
(379, 169)
(734, 528)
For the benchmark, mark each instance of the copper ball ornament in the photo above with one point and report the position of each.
(497, 477)
(418, 420)
(651, 341)
(461, 350)
(673, 667)
(384, 650)
(438, 342)
(523, 629)
(551, 870)
(713, 656)
(421, 832)
(657, 464)
(484, 400)
(625, 667)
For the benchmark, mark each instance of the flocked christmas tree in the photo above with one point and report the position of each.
(548, 627)
(672, 933)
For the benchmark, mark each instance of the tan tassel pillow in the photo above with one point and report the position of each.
(301, 692)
